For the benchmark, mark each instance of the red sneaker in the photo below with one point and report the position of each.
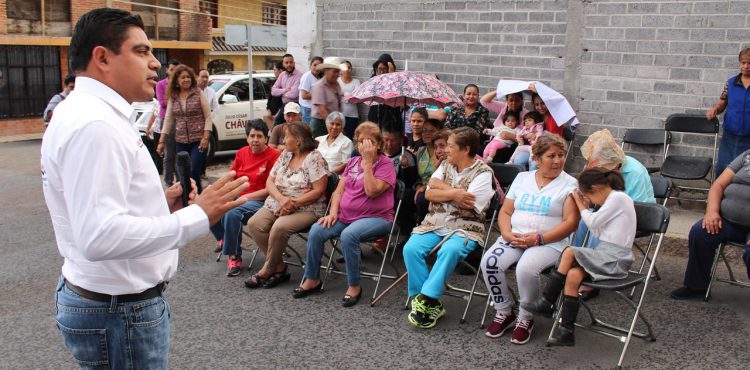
(500, 324)
(219, 246)
(380, 244)
(234, 266)
(522, 332)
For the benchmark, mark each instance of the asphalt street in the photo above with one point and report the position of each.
(218, 324)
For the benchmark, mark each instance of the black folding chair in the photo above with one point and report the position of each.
(646, 137)
(393, 235)
(720, 253)
(651, 218)
(682, 167)
(505, 173)
(662, 189)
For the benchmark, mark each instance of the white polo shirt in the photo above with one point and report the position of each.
(108, 209)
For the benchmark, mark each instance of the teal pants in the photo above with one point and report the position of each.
(432, 283)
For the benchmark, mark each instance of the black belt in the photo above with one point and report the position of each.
(94, 296)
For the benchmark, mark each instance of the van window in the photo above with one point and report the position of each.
(240, 89)
(259, 91)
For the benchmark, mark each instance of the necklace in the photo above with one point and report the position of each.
(542, 185)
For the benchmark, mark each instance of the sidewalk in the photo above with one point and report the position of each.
(23, 137)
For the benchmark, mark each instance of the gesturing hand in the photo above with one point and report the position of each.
(221, 196)
(369, 153)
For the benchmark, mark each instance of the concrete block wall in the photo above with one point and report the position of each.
(620, 64)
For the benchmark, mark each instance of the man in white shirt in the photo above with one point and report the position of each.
(213, 103)
(308, 79)
(117, 230)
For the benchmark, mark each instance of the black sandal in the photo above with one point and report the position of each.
(277, 278)
(255, 281)
(300, 292)
(350, 300)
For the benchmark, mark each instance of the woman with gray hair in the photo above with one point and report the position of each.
(601, 150)
(335, 147)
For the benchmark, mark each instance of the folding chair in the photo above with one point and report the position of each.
(732, 280)
(662, 189)
(390, 247)
(506, 173)
(648, 137)
(570, 136)
(651, 218)
(683, 167)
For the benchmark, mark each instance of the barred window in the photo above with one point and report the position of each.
(29, 77)
(274, 14)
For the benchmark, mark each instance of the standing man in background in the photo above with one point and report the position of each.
(213, 102)
(305, 88)
(70, 84)
(169, 148)
(286, 85)
(115, 227)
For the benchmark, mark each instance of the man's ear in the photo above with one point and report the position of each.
(99, 58)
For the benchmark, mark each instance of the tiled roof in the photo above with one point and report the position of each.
(219, 44)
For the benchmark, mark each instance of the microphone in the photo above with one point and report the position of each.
(183, 172)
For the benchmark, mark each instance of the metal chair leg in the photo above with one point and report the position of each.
(714, 266)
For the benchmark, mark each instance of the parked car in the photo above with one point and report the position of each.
(144, 111)
(233, 93)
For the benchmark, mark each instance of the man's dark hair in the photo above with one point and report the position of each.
(279, 65)
(106, 27)
(393, 128)
(69, 79)
(257, 125)
(319, 59)
(287, 55)
(174, 62)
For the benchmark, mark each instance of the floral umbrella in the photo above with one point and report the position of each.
(403, 89)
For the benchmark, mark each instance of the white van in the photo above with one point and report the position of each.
(233, 93)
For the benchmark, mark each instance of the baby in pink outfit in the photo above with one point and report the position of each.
(526, 135)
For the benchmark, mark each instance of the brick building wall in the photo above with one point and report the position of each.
(80, 7)
(620, 64)
(194, 27)
(3, 17)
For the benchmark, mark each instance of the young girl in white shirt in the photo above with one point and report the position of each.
(614, 224)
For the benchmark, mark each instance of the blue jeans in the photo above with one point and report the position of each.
(581, 233)
(432, 283)
(702, 249)
(306, 112)
(523, 159)
(350, 235)
(231, 224)
(197, 161)
(730, 147)
(132, 335)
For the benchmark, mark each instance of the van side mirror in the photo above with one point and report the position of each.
(229, 99)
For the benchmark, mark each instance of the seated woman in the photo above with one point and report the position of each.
(417, 117)
(427, 162)
(535, 221)
(614, 224)
(361, 208)
(471, 114)
(335, 147)
(296, 187)
(460, 191)
(725, 220)
(601, 150)
(253, 161)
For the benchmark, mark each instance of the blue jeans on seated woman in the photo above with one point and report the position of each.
(350, 236)
(127, 335)
(592, 242)
(702, 249)
(432, 283)
(523, 159)
(231, 224)
(197, 161)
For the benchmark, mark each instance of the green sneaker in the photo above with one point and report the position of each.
(432, 315)
(423, 315)
(418, 309)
